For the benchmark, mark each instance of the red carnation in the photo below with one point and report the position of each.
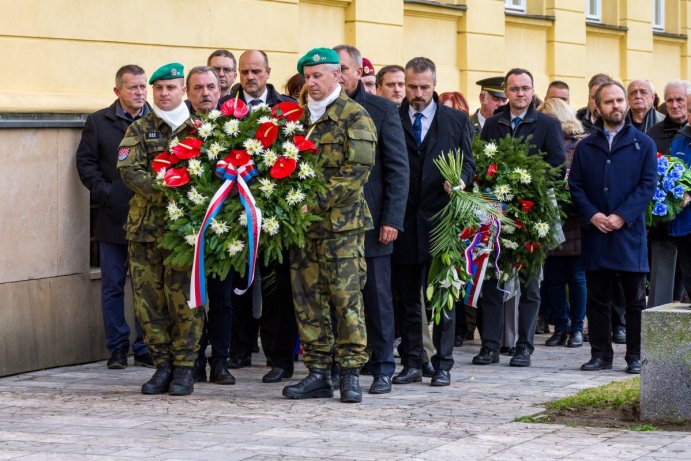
(187, 149)
(176, 177)
(304, 144)
(283, 167)
(526, 204)
(288, 110)
(237, 157)
(492, 170)
(235, 107)
(164, 160)
(267, 134)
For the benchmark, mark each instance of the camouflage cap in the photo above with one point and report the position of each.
(168, 72)
(317, 56)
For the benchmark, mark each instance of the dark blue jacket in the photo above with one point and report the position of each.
(681, 148)
(386, 189)
(545, 132)
(450, 130)
(619, 181)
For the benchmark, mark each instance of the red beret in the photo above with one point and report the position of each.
(367, 68)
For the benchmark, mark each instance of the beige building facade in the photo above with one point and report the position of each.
(60, 56)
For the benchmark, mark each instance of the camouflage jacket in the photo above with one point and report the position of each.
(346, 138)
(144, 140)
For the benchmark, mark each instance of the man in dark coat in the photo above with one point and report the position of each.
(97, 157)
(518, 119)
(385, 192)
(612, 179)
(641, 97)
(431, 130)
(492, 97)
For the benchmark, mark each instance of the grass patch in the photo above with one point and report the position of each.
(612, 395)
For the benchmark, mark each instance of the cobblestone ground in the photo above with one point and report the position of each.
(88, 412)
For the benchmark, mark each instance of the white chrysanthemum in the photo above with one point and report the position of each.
(263, 107)
(290, 150)
(214, 114)
(490, 149)
(252, 146)
(270, 225)
(523, 175)
(161, 176)
(231, 127)
(306, 171)
(174, 211)
(195, 197)
(191, 239)
(266, 186)
(503, 192)
(173, 142)
(218, 227)
(508, 229)
(195, 167)
(235, 247)
(267, 118)
(291, 128)
(542, 229)
(295, 196)
(205, 130)
(213, 151)
(508, 244)
(270, 157)
(242, 219)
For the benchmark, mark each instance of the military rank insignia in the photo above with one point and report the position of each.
(123, 153)
(153, 135)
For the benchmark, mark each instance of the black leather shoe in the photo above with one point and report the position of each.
(596, 364)
(575, 340)
(160, 381)
(633, 367)
(521, 358)
(619, 336)
(199, 371)
(557, 339)
(240, 362)
(486, 357)
(276, 374)
(350, 386)
(219, 373)
(441, 378)
(183, 381)
(458, 341)
(408, 375)
(428, 370)
(118, 359)
(144, 360)
(380, 385)
(316, 385)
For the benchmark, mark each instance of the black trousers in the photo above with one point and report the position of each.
(219, 322)
(601, 287)
(245, 328)
(493, 315)
(379, 315)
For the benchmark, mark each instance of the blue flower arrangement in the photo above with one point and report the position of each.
(674, 180)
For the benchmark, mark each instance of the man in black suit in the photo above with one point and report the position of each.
(97, 157)
(518, 118)
(431, 130)
(385, 192)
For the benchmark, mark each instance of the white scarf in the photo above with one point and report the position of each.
(317, 108)
(173, 118)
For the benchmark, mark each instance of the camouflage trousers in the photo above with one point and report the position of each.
(328, 275)
(171, 329)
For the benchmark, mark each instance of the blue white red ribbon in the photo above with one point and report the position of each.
(477, 258)
(231, 175)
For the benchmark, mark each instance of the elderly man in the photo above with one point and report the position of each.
(385, 191)
(97, 157)
(675, 99)
(329, 272)
(492, 97)
(612, 179)
(391, 83)
(641, 94)
(171, 329)
(223, 63)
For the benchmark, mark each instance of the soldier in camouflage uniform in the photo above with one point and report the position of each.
(330, 272)
(171, 329)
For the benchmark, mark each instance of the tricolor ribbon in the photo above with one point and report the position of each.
(231, 175)
(477, 258)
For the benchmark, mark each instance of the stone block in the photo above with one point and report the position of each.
(666, 365)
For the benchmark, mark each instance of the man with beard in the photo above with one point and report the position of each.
(612, 179)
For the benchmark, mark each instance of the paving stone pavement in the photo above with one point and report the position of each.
(88, 412)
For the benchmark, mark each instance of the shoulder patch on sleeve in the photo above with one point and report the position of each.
(123, 153)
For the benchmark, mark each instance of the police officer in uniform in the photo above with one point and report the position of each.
(329, 272)
(171, 329)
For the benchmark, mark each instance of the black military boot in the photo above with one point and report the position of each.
(316, 385)
(350, 386)
(220, 374)
(160, 381)
(183, 381)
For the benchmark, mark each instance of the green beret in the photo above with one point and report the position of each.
(168, 72)
(318, 56)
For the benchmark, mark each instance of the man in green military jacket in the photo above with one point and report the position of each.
(171, 329)
(329, 272)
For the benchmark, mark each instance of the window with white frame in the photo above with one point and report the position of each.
(659, 15)
(515, 5)
(593, 10)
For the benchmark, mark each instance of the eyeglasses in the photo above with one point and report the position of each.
(225, 70)
(516, 89)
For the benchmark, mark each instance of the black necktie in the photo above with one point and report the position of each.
(255, 102)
